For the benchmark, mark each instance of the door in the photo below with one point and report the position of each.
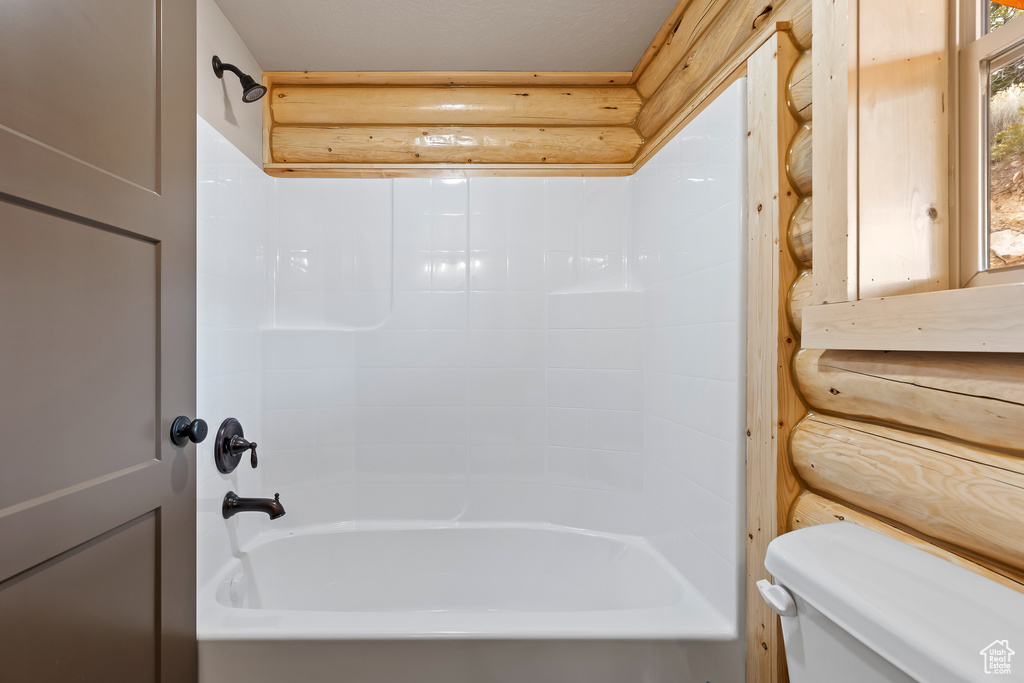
(97, 340)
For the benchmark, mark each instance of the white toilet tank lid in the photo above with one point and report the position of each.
(929, 617)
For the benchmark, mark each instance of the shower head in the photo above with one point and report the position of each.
(251, 90)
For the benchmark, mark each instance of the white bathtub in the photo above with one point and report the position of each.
(522, 602)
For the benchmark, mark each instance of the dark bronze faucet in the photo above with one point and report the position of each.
(233, 504)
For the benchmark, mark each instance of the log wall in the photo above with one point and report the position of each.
(926, 447)
(461, 124)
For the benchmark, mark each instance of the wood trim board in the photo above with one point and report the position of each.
(773, 406)
(971, 319)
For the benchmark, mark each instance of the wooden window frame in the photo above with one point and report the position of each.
(988, 315)
(976, 51)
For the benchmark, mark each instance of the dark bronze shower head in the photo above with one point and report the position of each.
(251, 90)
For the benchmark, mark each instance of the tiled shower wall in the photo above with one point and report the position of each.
(560, 350)
(687, 221)
(439, 408)
(236, 206)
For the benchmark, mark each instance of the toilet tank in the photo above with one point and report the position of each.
(871, 609)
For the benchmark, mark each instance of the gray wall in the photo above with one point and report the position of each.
(219, 101)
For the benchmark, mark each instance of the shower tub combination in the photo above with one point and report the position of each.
(457, 603)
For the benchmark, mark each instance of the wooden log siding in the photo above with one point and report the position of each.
(975, 397)
(801, 232)
(697, 17)
(798, 161)
(800, 294)
(515, 106)
(798, 92)
(811, 509)
(801, 25)
(967, 496)
(665, 36)
(453, 144)
(734, 25)
(700, 48)
(519, 79)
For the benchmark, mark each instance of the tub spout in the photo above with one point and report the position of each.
(233, 504)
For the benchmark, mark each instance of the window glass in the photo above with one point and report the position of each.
(999, 13)
(1006, 161)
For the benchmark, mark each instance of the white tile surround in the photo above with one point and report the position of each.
(566, 350)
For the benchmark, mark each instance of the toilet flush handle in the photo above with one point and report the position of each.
(778, 598)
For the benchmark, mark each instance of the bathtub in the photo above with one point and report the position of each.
(410, 602)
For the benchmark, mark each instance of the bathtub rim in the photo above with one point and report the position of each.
(691, 618)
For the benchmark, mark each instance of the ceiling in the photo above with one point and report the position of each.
(447, 35)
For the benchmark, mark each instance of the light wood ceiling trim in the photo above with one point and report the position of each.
(696, 18)
(388, 124)
(732, 32)
(446, 105)
(454, 144)
(445, 170)
(520, 78)
(666, 34)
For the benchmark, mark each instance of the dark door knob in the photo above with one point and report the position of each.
(184, 430)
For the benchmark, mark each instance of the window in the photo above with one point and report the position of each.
(992, 143)
(885, 60)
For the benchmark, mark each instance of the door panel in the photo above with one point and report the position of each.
(97, 340)
(48, 605)
(85, 100)
(82, 330)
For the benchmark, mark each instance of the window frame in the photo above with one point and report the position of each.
(976, 50)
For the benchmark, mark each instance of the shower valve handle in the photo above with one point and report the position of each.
(239, 445)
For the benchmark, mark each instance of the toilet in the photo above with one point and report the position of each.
(860, 607)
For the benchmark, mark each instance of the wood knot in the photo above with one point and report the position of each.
(759, 207)
(761, 18)
(933, 213)
(833, 391)
(840, 518)
(748, 433)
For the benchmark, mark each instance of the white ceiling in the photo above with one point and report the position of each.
(447, 35)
